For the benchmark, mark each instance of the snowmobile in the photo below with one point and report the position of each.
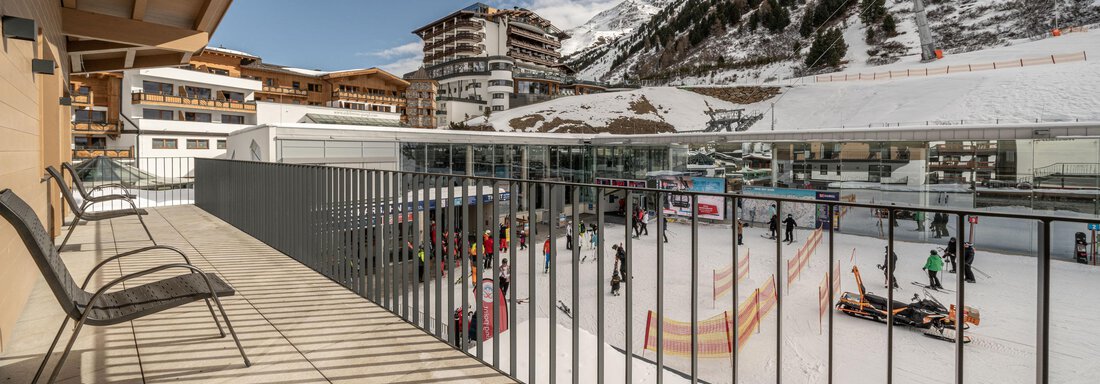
(928, 314)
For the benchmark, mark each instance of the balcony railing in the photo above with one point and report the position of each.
(359, 96)
(114, 153)
(448, 27)
(534, 36)
(461, 48)
(386, 236)
(92, 128)
(519, 55)
(540, 49)
(285, 91)
(474, 37)
(192, 102)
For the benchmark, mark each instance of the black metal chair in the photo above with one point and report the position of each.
(80, 212)
(89, 194)
(101, 307)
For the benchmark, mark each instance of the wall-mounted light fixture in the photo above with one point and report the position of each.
(66, 101)
(41, 66)
(19, 28)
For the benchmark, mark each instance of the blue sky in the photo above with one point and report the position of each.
(346, 34)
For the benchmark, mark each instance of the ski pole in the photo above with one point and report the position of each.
(980, 272)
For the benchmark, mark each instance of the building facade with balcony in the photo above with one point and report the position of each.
(421, 100)
(487, 60)
(176, 112)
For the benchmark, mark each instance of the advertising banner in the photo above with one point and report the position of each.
(488, 293)
(710, 207)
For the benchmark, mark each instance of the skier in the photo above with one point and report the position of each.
(788, 233)
(505, 276)
(546, 253)
(620, 257)
(616, 282)
(522, 239)
(664, 231)
(919, 218)
(773, 227)
(950, 252)
(740, 232)
(889, 264)
(421, 270)
(968, 262)
(934, 265)
(643, 217)
(593, 238)
(581, 234)
(473, 327)
(487, 240)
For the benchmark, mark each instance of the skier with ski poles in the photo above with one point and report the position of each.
(968, 262)
(890, 260)
(934, 265)
(950, 252)
(773, 227)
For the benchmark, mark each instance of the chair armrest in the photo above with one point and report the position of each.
(130, 253)
(88, 203)
(106, 198)
(149, 271)
(104, 186)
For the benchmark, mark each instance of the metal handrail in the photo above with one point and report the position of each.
(138, 96)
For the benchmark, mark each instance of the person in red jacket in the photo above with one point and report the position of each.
(546, 253)
(487, 241)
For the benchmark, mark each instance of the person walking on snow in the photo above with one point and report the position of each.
(616, 282)
(546, 254)
(889, 264)
(919, 218)
(740, 232)
(773, 227)
(643, 217)
(934, 265)
(950, 252)
(788, 232)
(505, 276)
(569, 236)
(620, 258)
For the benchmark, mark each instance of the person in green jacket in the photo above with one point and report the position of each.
(934, 265)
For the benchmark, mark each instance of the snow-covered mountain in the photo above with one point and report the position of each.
(748, 41)
(609, 25)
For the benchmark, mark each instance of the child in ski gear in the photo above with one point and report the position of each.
(788, 233)
(664, 231)
(593, 238)
(522, 239)
(505, 276)
(616, 282)
(740, 232)
(620, 255)
(950, 252)
(934, 265)
(487, 240)
(569, 236)
(546, 253)
(773, 226)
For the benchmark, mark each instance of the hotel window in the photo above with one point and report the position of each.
(313, 87)
(498, 95)
(348, 88)
(164, 144)
(198, 144)
(270, 82)
(156, 88)
(296, 85)
(824, 169)
(219, 71)
(498, 107)
(838, 170)
(156, 114)
(314, 103)
(221, 144)
(296, 102)
(380, 108)
(234, 96)
(196, 116)
(84, 90)
(198, 93)
(232, 119)
(92, 116)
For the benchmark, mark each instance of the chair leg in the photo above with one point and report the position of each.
(65, 354)
(72, 227)
(211, 308)
(49, 352)
(228, 324)
(147, 233)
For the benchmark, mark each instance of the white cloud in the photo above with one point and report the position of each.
(403, 66)
(398, 51)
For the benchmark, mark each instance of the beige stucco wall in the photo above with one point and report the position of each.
(34, 133)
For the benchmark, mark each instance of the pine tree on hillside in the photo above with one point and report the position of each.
(828, 49)
(806, 28)
(775, 17)
(872, 11)
(889, 26)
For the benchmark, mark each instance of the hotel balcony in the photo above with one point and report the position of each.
(534, 36)
(449, 27)
(962, 165)
(451, 51)
(519, 55)
(96, 128)
(285, 91)
(296, 325)
(469, 37)
(966, 149)
(192, 102)
(359, 96)
(533, 47)
(79, 99)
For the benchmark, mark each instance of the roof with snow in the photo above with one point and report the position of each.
(233, 52)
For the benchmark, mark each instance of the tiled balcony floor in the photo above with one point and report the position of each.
(296, 325)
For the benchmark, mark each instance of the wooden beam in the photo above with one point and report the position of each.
(96, 46)
(76, 23)
(202, 16)
(139, 9)
(130, 56)
(68, 3)
(76, 62)
(118, 63)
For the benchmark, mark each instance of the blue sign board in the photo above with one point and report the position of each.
(1094, 227)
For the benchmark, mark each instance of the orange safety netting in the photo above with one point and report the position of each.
(715, 337)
